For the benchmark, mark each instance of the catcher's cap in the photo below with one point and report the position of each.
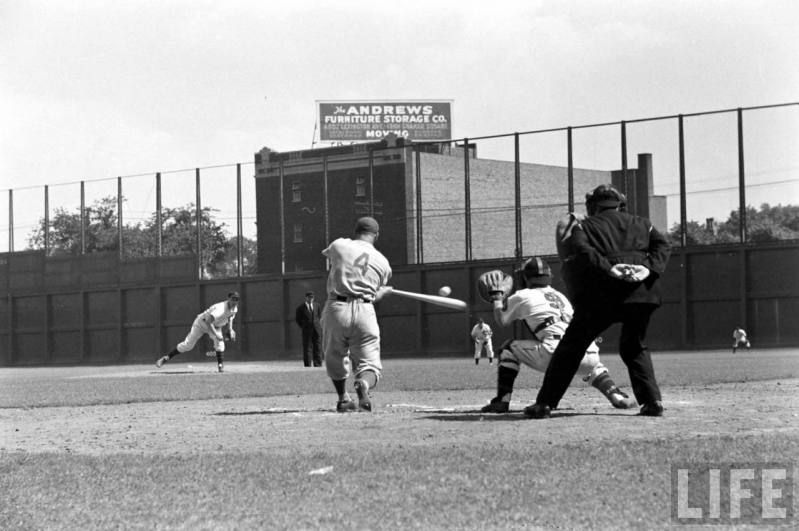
(535, 267)
(367, 224)
(605, 196)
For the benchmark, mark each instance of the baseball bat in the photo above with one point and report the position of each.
(446, 302)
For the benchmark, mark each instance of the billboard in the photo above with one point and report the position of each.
(373, 120)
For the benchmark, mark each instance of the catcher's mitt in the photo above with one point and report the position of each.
(494, 285)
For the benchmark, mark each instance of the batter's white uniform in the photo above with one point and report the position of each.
(350, 333)
(210, 322)
(547, 313)
(481, 334)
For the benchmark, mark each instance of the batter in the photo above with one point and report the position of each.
(350, 333)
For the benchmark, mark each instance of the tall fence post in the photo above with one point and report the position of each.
(282, 176)
(46, 220)
(742, 232)
(419, 228)
(119, 219)
(570, 164)
(239, 226)
(683, 193)
(326, 204)
(159, 233)
(198, 221)
(467, 211)
(629, 190)
(371, 182)
(82, 218)
(517, 179)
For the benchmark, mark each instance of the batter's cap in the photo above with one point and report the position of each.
(367, 224)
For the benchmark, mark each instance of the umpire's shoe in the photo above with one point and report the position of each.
(364, 401)
(496, 406)
(653, 409)
(538, 411)
(345, 406)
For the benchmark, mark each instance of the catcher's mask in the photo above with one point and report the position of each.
(604, 197)
(534, 271)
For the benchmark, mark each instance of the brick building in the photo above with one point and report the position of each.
(307, 198)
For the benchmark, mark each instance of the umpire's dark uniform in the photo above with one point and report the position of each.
(606, 238)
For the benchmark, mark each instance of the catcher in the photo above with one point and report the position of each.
(215, 326)
(546, 312)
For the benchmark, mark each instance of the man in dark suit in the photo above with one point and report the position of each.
(619, 259)
(308, 317)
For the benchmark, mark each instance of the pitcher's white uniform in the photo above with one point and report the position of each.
(210, 322)
(547, 313)
(350, 333)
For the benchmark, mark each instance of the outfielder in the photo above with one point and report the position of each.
(739, 339)
(350, 333)
(481, 335)
(210, 323)
(547, 313)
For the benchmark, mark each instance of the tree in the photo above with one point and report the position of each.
(178, 235)
(767, 224)
(101, 233)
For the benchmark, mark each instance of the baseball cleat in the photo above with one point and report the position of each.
(538, 411)
(620, 399)
(221, 367)
(653, 409)
(345, 406)
(161, 361)
(496, 406)
(362, 389)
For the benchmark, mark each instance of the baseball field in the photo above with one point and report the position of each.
(261, 447)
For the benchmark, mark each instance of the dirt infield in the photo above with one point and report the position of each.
(418, 418)
(103, 432)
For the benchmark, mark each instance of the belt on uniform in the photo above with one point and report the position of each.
(344, 298)
(543, 324)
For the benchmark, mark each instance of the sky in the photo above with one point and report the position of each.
(91, 90)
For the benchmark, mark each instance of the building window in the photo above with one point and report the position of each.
(296, 192)
(360, 187)
(298, 233)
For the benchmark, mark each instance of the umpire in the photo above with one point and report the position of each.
(619, 259)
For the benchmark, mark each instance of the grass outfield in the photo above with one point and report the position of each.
(260, 447)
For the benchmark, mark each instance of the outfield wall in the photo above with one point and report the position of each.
(64, 311)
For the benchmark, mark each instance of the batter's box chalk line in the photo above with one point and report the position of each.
(421, 408)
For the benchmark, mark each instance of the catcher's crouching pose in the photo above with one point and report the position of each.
(210, 325)
(546, 312)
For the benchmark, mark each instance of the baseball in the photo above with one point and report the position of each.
(444, 291)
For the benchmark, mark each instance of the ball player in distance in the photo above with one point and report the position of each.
(546, 312)
(217, 324)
